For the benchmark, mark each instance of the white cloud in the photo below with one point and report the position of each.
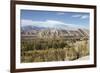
(49, 23)
(76, 16)
(84, 16)
(80, 16)
(26, 22)
(54, 22)
(60, 13)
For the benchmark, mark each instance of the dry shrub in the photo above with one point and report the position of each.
(44, 55)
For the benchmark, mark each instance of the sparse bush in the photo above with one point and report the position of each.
(44, 50)
(43, 55)
(70, 54)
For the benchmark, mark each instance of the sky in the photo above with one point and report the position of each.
(54, 18)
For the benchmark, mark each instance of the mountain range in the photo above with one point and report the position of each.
(50, 32)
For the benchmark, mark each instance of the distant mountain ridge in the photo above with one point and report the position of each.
(29, 28)
(32, 32)
(58, 27)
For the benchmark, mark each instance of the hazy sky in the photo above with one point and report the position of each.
(54, 18)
